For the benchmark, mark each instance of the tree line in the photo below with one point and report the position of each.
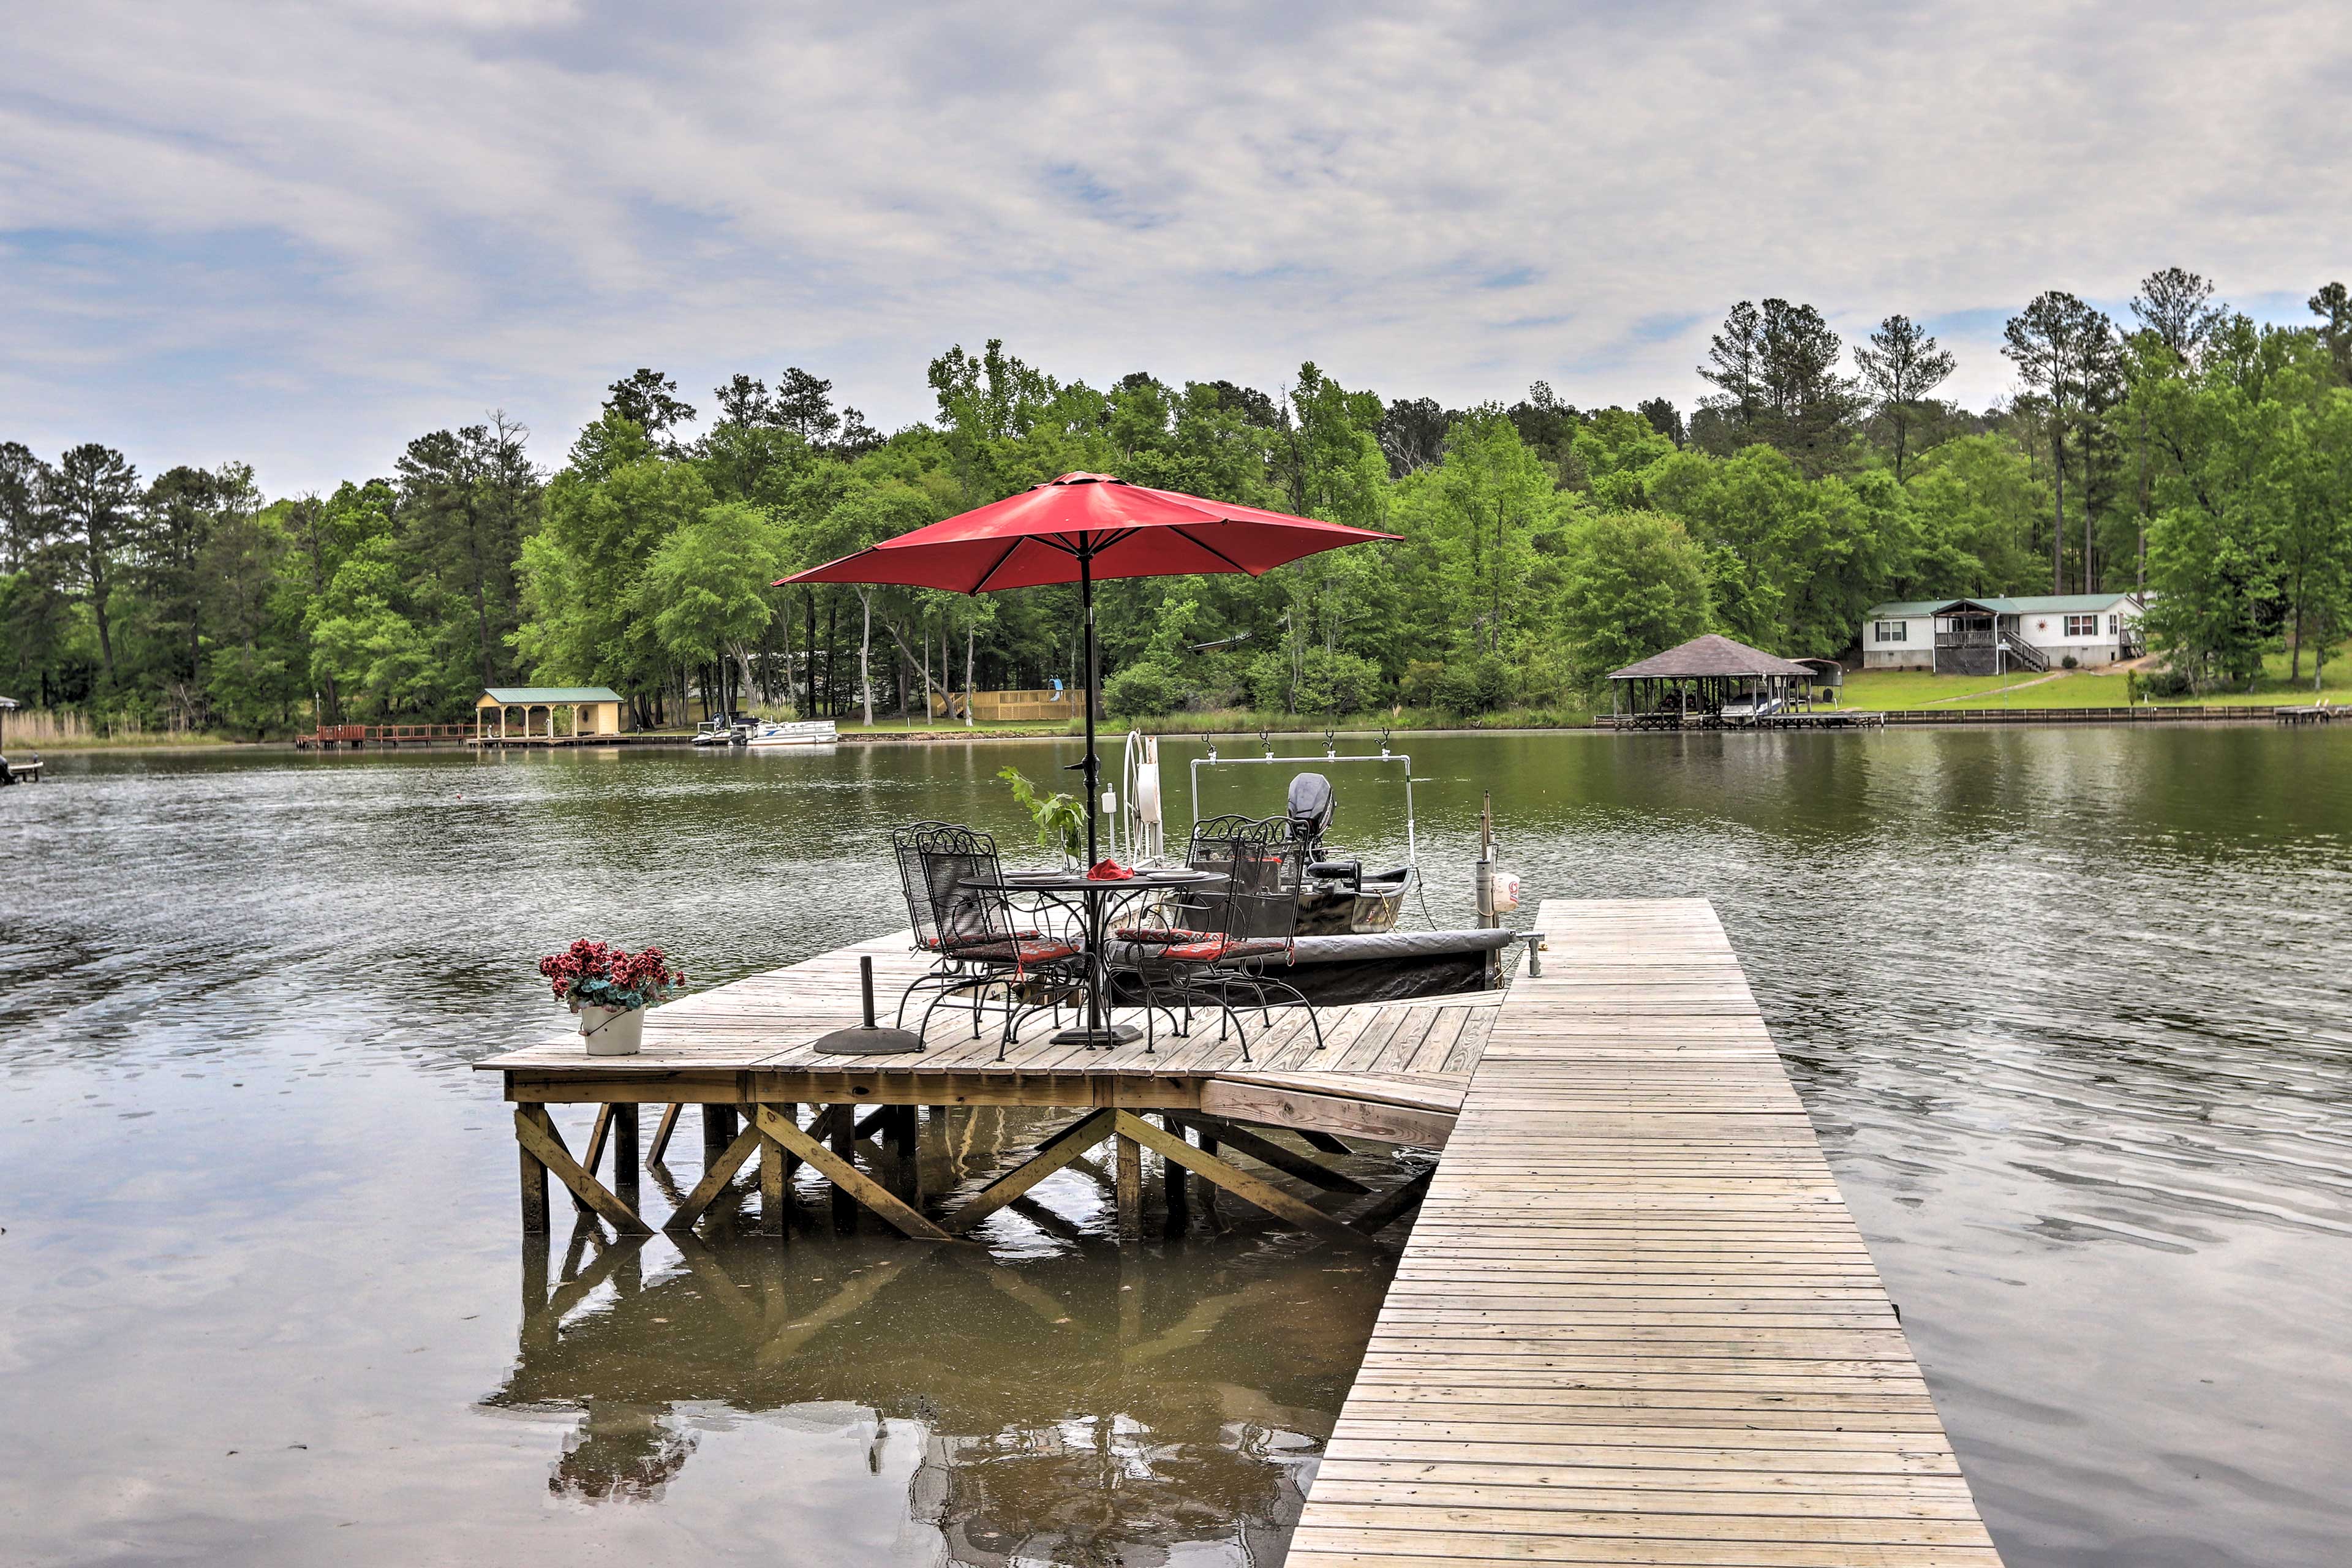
(2188, 453)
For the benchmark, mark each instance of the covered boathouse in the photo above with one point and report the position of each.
(1707, 682)
(528, 713)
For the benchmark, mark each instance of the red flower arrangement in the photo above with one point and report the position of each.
(598, 974)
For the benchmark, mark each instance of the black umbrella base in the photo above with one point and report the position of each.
(1106, 1036)
(869, 1041)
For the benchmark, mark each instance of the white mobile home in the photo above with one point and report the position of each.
(1994, 636)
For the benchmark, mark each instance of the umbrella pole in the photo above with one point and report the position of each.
(1093, 763)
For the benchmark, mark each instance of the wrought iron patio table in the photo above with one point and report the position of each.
(1092, 899)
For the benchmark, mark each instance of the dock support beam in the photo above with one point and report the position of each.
(1208, 1189)
(535, 1131)
(668, 1125)
(851, 1185)
(1134, 1129)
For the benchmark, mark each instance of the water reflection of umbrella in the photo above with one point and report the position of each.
(1083, 528)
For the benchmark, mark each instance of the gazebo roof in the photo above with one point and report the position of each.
(517, 696)
(1711, 655)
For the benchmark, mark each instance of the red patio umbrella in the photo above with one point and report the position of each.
(1078, 529)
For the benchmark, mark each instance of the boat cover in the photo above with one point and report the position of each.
(1387, 966)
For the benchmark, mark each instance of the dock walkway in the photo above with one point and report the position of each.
(1635, 1322)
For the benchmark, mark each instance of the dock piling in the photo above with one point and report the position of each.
(1175, 1183)
(626, 1165)
(845, 1149)
(775, 1181)
(1130, 1193)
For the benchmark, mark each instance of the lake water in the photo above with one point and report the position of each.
(2069, 1009)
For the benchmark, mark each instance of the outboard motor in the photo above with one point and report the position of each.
(1311, 808)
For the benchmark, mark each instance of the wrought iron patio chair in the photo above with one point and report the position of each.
(964, 912)
(1223, 938)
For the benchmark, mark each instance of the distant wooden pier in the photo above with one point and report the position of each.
(1633, 1321)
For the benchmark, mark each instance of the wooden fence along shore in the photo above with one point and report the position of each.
(1633, 1321)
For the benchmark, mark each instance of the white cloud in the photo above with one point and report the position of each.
(303, 233)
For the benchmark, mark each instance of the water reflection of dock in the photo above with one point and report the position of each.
(1633, 1321)
(1024, 1415)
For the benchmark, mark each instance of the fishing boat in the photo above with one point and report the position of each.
(804, 732)
(723, 730)
(1351, 942)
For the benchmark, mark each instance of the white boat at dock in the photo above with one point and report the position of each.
(806, 732)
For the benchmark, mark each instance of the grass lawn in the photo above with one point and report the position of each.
(1878, 689)
(1906, 689)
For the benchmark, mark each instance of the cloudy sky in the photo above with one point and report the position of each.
(300, 234)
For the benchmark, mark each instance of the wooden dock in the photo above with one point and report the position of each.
(1633, 1321)
(745, 1054)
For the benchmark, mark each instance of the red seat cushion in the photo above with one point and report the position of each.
(1218, 949)
(1156, 935)
(1023, 951)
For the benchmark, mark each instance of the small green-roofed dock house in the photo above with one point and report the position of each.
(525, 715)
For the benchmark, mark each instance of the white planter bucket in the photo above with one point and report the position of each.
(607, 1032)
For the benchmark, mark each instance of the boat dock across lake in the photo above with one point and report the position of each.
(1633, 1321)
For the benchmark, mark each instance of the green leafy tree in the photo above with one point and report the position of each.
(467, 498)
(1976, 503)
(2064, 352)
(707, 585)
(648, 400)
(175, 526)
(93, 498)
(1637, 584)
(1901, 366)
(2333, 306)
(1776, 373)
(582, 573)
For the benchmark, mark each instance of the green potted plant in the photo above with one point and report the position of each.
(1059, 820)
(610, 989)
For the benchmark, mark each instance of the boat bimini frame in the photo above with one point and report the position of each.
(1330, 755)
(1141, 806)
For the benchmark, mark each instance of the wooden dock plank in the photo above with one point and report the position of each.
(1635, 1279)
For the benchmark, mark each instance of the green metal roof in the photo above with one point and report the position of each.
(2045, 604)
(528, 694)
